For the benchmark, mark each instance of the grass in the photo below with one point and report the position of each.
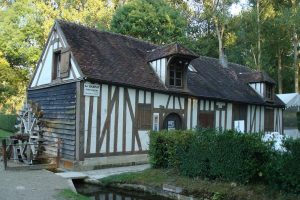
(70, 195)
(203, 189)
(4, 133)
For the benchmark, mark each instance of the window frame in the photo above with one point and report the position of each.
(269, 119)
(269, 95)
(56, 65)
(174, 69)
(144, 116)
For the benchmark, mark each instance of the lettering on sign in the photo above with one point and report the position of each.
(91, 90)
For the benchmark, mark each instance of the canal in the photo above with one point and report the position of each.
(102, 193)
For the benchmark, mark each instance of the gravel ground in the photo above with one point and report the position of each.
(30, 185)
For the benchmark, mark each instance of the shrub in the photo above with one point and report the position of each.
(283, 172)
(8, 122)
(229, 155)
(166, 145)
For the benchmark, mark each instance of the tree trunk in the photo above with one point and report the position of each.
(220, 31)
(258, 36)
(296, 67)
(279, 72)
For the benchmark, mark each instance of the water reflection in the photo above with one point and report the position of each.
(99, 193)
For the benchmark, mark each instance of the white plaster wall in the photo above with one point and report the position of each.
(43, 74)
(94, 125)
(159, 66)
(195, 113)
(104, 97)
(258, 87)
(128, 130)
(120, 120)
(160, 100)
(144, 137)
(229, 116)
(86, 117)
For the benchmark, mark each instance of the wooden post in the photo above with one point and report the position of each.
(4, 153)
(58, 153)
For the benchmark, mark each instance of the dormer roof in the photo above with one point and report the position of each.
(170, 50)
(256, 77)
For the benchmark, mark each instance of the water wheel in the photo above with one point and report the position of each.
(28, 142)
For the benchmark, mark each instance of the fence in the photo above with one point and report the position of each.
(16, 154)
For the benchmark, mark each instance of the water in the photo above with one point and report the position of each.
(102, 193)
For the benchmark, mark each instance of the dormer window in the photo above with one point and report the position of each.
(176, 76)
(269, 92)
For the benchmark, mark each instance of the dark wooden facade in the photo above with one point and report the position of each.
(59, 107)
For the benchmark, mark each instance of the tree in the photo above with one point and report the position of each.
(24, 28)
(218, 12)
(10, 87)
(151, 20)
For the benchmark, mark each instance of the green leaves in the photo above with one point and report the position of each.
(154, 21)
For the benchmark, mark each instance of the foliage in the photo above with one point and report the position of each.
(24, 28)
(165, 145)
(283, 170)
(70, 195)
(4, 134)
(151, 20)
(10, 87)
(197, 187)
(8, 122)
(228, 155)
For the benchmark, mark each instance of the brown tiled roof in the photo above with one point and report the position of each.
(111, 57)
(118, 59)
(256, 77)
(169, 50)
(214, 81)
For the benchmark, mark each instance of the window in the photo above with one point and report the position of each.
(156, 121)
(144, 116)
(176, 75)
(56, 65)
(269, 92)
(206, 119)
(239, 117)
(191, 68)
(269, 119)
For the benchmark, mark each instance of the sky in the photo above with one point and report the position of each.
(237, 8)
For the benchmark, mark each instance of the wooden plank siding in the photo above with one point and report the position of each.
(59, 106)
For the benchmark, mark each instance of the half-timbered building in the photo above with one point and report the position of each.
(102, 93)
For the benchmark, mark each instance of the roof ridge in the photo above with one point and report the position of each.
(103, 31)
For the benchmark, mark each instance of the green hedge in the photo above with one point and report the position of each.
(283, 172)
(229, 156)
(165, 146)
(8, 122)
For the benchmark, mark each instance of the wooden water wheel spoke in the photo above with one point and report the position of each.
(27, 144)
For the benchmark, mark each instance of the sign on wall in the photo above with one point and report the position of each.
(171, 125)
(90, 89)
